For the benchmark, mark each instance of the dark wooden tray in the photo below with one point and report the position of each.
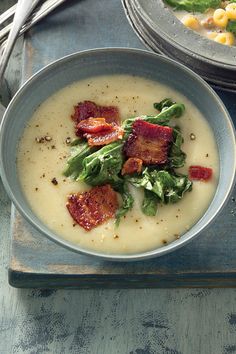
(208, 261)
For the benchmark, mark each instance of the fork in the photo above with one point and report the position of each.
(23, 9)
(39, 12)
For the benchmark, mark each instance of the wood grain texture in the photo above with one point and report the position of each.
(148, 321)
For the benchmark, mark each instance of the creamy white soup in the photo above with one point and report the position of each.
(39, 164)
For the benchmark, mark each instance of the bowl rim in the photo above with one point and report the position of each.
(156, 42)
(165, 31)
(76, 248)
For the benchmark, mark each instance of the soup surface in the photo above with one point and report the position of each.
(40, 164)
(217, 24)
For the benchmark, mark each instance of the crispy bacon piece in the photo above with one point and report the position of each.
(132, 165)
(110, 113)
(200, 173)
(92, 208)
(93, 125)
(98, 131)
(88, 109)
(149, 142)
(152, 131)
(105, 137)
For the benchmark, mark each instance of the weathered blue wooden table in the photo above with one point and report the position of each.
(114, 321)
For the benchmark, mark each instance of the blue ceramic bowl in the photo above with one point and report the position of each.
(116, 61)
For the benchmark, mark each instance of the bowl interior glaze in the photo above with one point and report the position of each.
(96, 62)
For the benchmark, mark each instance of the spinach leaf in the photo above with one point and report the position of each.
(103, 166)
(181, 185)
(127, 199)
(74, 164)
(144, 180)
(176, 155)
(194, 5)
(167, 113)
(167, 102)
(149, 205)
(173, 186)
(231, 26)
(168, 186)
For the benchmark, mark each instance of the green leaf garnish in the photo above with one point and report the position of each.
(127, 202)
(98, 166)
(103, 166)
(150, 201)
(231, 26)
(194, 5)
(74, 164)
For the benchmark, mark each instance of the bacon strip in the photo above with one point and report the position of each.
(93, 125)
(93, 208)
(152, 131)
(149, 142)
(88, 109)
(106, 137)
(132, 165)
(200, 173)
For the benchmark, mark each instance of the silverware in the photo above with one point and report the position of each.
(23, 10)
(7, 14)
(39, 12)
(20, 25)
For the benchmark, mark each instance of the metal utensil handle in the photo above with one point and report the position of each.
(40, 12)
(7, 14)
(23, 10)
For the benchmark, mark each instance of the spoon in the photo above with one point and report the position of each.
(23, 10)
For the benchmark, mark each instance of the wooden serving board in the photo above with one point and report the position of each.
(35, 261)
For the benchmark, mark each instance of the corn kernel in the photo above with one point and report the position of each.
(191, 22)
(220, 18)
(226, 38)
(212, 35)
(231, 11)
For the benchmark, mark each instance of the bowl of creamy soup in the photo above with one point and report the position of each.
(199, 34)
(118, 153)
